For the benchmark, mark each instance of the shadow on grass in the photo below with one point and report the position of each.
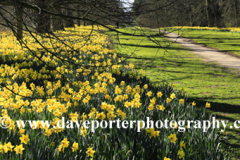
(235, 44)
(154, 46)
(131, 38)
(225, 109)
(185, 65)
(221, 39)
(218, 107)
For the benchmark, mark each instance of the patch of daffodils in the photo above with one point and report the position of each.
(87, 80)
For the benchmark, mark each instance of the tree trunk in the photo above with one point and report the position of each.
(217, 13)
(69, 22)
(236, 12)
(84, 21)
(19, 12)
(42, 19)
(190, 13)
(57, 22)
(209, 14)
(78, 15)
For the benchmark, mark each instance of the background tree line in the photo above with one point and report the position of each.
(165, 13)
(46, 16)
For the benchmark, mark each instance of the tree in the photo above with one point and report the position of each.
(42, 19)
(209, 13)
(236, 13)
(19, 13)
(68, 21)
(57, 22)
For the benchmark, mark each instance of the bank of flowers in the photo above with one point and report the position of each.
(87, 80)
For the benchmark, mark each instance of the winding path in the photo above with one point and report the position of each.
(211, 55)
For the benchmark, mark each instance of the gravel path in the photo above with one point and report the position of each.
(210, 55)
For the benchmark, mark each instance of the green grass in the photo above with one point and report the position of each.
(204, 81)
(226, 41)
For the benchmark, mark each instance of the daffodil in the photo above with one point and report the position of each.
(19, 149)
(24, 139)
(8, 147)
(65, 143)
(159, 94)
(48, 132)
(172, 138)
(160, 107)
(193, 103)
(150, 107)
(149, 94)
(83, 131)
(181, 154)
(75, 147)
(182, 144)
(90, 152)
(208, 105)
(168, 100)
(145, 86)
(172, 96)
(181, 101)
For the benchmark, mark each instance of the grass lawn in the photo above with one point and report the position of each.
(205, 82)
(226, 41)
